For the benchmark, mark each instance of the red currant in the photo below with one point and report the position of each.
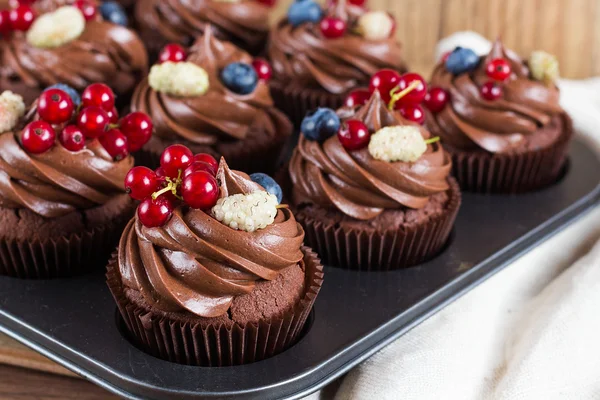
(93, 122)
(172, 52)
(354, 135)
(160, 172)
(416, 95)
(359, 3)
(138, 127)
(207, 158)
(72, 138)
(38, 137)
(200, 190)
(141, 182)
(55, 106)
(413, 112)
(113, 115)
(155, 213)
(21, 17)
(175, 158)
(199, 166)
(262, 68)
(436, 99)
(491, 91)
(115, 143)
(333, 28)
(87, 9)
(268, 3)
(384, 81)
(5, 25)
(357, 97)
(498, 69)
(99, 95)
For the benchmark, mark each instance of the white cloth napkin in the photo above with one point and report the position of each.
(530, 332)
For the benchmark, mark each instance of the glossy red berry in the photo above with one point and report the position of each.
(359, 3)
(138, 127)
(262, 68)
(113, 115)
(93, 122)
(199, 166)
(99, 95)
(384, 81)
(332, 28)
(436, 99)
(72, 138)
(491, 91)
(87, 8)
(413, 112)
(5, 25)
(21, 17)
(176, 158)
(172, 52)
(354, 135)
(357, 98)
(200, 190)
(207, 158)
(160, 172)
(141, 182)
(416, 95)
(155, 213)
(498, 69)
(268, 3)
(38, 137)
(115, 143)
(55, 106)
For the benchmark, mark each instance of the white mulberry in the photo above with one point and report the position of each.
(184, 79)
(375, 25)
(544, 67)
(397, 143)
(56, 28)
(247, 212)
(12, 108)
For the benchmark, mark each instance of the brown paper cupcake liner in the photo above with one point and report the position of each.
(215, 346)
(512, 173)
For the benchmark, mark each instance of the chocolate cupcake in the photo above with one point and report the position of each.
(501, 120)
(376, 196)
(211, 288)
(229, 112)
(319, 57)
(243, 22)
(61, 46)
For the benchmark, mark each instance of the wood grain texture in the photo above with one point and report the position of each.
(570, 29)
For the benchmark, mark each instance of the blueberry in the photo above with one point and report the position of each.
(302, 11)
(239, 78)
(269, 184)
(113, 12)
(68, 90)
(320, 125)
(462, 60)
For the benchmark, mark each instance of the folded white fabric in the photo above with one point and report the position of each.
(530, 332)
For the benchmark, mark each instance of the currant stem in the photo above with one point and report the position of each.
(432, 140)
(164, 190)
(398, 96)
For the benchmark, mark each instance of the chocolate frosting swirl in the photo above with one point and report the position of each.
(244, 22)
(358, 185)
(501, 126)
(303, 54)
(219, 114)
(196, 264)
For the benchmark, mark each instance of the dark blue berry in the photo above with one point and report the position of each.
(269, 184)
(462, 60)
(302, 11)
(68, 90)
(113, 12)
(239, 78)
(320, 125)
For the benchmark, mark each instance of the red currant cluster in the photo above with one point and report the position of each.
(335, 27)
(95, 118)
(498, 70)
(181, 177)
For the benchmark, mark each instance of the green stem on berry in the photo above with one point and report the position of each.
(433, 140)
(172, 185)
(112, 126)
(397, 96)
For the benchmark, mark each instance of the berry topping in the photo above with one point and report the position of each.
(544, 67)
(239, 78)
(262, 68)
(175, 159)
(12, 108)
(99, 95)
(75, 97)
(357, 97)
(268, 184)
(172, 52)
(5, 25)
(113, 12)
(207, 158)
(55, 106)
(38, 137)
(498, 69)
(376, 25)
(137, 127)
(141, 182)
(21, 17)
(93, 122)
(491, 91)
(247, 212)
(154, 213)
(360, 3)
(199, 166)
(115, 143)
(384, 81)
(87, 8)
(113, 115)
(200, 190)
(354, 135)
(56, 28)
(332, 28)
(72, 138)
(461, 60)
(413, 112)
(302, 11)
(419, 91)
(398, 143)
(320, 124)
(268, 3)
(436, 99)
(184, 79)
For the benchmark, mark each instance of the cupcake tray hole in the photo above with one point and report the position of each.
(72, 321)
